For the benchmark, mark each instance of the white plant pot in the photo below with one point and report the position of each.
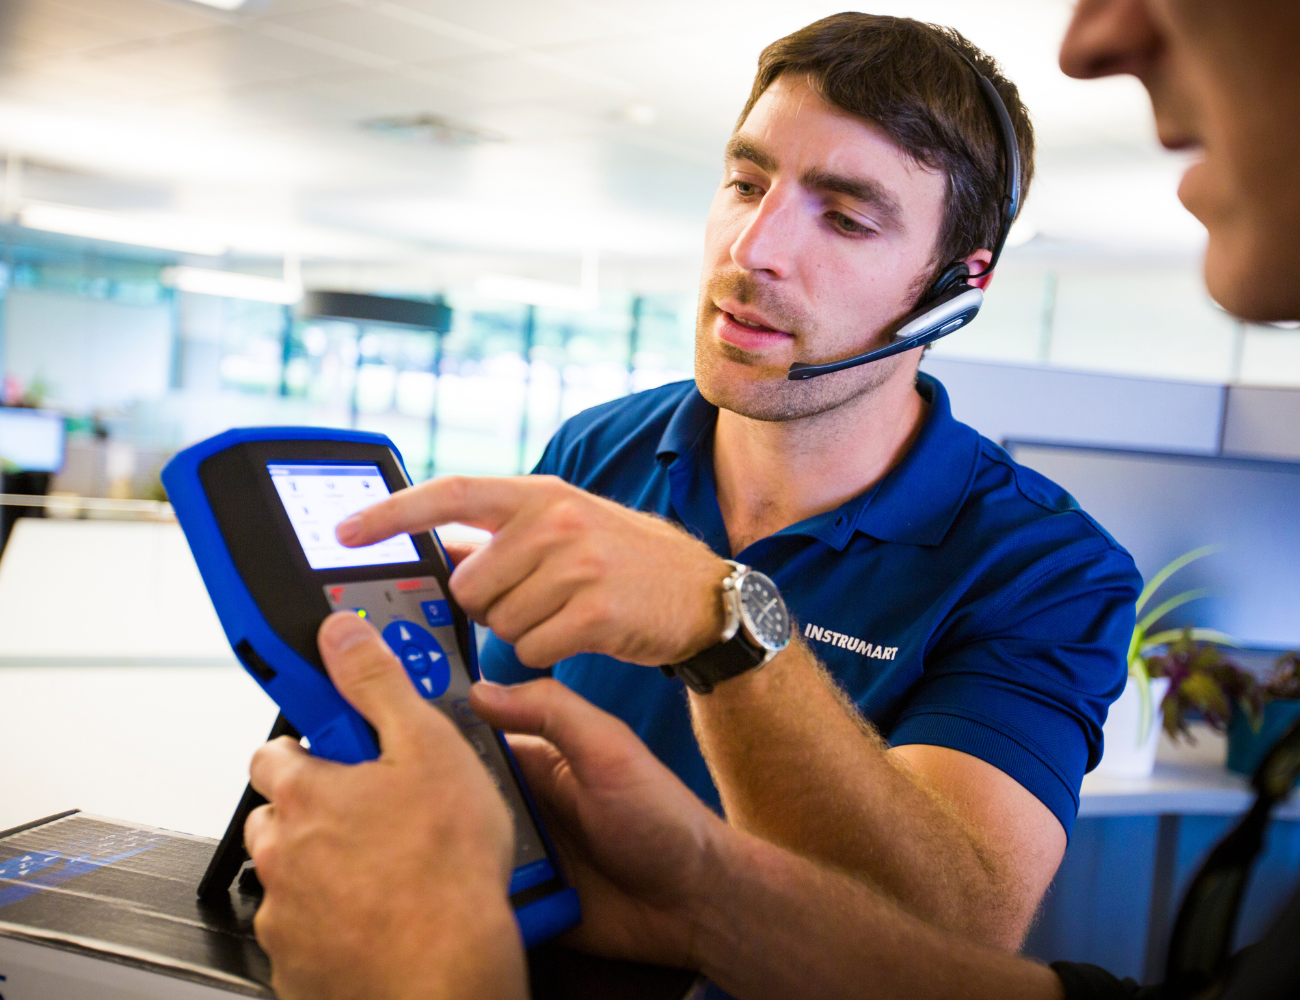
(1122, 755)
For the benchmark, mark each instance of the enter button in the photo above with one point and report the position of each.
(415, 659)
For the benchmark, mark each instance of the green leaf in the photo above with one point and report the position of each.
(1170, 570)
(1253, 718)
(1167, 606)
(1136, 645)
(1205, 694)
(1148, 711)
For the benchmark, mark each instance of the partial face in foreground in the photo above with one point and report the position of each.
(1224, 78)
(820, 238)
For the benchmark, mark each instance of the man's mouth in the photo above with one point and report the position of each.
(748, 330)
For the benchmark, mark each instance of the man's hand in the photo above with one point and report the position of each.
(565, 572)
(637, 844)
(387, 877)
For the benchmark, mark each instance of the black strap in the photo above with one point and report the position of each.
(1200, 947)
(720, 662)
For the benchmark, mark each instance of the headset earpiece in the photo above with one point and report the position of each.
(949, 278)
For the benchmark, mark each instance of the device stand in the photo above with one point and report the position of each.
(230, 855)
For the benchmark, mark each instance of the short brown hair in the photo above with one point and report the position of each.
(908, 78)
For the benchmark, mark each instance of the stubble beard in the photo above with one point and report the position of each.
(768, 394)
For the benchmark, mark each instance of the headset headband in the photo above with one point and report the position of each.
(1011, 148)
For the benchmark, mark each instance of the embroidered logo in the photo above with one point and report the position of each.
(850, 642)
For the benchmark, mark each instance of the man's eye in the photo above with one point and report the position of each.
(745, 189)
(846, 225)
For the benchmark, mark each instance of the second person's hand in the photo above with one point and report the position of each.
(642, 850)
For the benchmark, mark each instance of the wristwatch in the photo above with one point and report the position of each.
(758, 627)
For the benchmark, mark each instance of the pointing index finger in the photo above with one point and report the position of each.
(481, 502)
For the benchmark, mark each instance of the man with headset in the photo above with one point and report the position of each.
(388, 879)
(961, 626)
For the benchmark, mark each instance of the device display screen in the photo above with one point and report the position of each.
(318, 497)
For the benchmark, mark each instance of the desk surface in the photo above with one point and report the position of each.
(1189, 779)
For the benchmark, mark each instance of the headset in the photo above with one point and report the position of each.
(951, 301)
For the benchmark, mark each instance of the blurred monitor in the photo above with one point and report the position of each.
(1159, 506)
(31, 440)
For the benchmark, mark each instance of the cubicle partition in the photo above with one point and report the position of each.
(1160, 506)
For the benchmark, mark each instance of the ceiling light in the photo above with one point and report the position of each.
(157, 233)
(231, 285)
(641, 114)
(223, 4)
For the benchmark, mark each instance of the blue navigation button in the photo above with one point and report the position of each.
(422, 656)
(399, 633)
(437, 612)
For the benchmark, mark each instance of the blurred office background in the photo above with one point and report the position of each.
(193, 190)
(542, 168)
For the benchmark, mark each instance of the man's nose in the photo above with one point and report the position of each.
(1108, 38)
(769, 242)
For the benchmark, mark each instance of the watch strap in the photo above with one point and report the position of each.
(720, 662)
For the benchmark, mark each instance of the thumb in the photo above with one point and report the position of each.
(370, 677)
(587, 736)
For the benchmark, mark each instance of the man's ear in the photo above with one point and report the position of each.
(977, 262)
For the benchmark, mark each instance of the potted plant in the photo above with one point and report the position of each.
(1202, 678)
(1132, 729)
(1255, 728)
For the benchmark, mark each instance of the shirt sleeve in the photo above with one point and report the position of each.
(1023, 677)
(497, 662)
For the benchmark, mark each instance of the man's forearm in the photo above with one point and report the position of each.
(796, 764)
(772, 924)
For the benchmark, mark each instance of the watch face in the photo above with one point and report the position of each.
(766, 618)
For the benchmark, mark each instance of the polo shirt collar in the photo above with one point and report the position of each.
(914, 504)
(694, 418)
(920, 498)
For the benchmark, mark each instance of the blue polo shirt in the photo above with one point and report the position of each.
(964, 601)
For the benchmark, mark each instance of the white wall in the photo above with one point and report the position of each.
(104, 592)
(90, 353)
(1140, 318)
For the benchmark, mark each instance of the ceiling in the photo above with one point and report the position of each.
(574, 124)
